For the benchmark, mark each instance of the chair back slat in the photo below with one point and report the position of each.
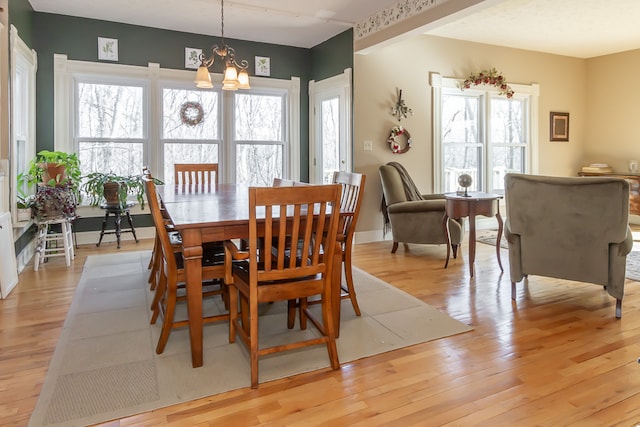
(195, 176)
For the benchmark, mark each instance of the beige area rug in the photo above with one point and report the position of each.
(105, 367)
(633, 259)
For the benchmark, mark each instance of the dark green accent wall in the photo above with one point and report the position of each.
(333, 56)
(21, 16)
(78, 39)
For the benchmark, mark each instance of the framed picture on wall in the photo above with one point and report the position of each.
(263, 66)
(192, 58)
(559, 126)
(107, 49)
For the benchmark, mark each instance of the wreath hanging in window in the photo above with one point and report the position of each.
(392, 140)
(191, 113)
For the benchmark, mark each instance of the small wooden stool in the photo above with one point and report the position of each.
(48, 243)
(118, 212)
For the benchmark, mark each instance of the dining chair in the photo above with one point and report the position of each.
(195, 176)
(172, 275)
(282, 215)
(156, 253)
(351, 198)
(352, 191)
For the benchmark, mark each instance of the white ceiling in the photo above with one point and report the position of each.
(579, 28)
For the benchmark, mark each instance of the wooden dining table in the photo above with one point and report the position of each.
(212, 216)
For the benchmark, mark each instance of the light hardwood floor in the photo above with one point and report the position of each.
(556, 357)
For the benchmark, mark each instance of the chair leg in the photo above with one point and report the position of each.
(169, 311)
(394, 248)
(156, 260)
(513, 291)
(349, 278)
(233, 312)
(253, 342)
(291, 313)
(330, 329)
(157, 298)
(618, 308)
(454, 248)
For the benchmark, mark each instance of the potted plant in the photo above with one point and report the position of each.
(54, 201)
(56, 177)
(114, 189)
(53, 168)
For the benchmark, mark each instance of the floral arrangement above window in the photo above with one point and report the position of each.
(489, 77)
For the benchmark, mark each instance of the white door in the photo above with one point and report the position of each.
(329, 127)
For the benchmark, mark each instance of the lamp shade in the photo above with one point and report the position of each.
(230, 81)
(243, 80)
(203, 78)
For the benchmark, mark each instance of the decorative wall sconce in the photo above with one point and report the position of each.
(400, 110)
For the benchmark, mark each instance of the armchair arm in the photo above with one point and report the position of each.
(416, 206)
(433, 196)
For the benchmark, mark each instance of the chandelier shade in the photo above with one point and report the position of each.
(235, 73)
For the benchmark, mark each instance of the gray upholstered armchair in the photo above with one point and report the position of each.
(414, 217)
(569, 228)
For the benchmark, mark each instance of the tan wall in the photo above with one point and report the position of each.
(614, 110)
(407, 65)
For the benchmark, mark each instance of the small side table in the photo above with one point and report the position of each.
(117, 212)
(476, 203)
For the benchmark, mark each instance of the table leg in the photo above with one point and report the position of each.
(499, 218)
(192, 253)
(445, 226)
(472, 236)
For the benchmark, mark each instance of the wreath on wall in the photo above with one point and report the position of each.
(489, 77)
(394, 135)
(191, 113)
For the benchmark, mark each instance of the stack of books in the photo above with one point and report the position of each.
(597, 168)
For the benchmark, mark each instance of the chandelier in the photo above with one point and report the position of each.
(235, 73)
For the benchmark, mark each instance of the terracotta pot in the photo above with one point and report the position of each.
(111, 193)
(53, 171)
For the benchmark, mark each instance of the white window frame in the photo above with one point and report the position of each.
(529, 93)
(65, 71)
(285, 135)
(24, 60)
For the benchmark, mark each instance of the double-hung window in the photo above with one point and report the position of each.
(482, 133)
(191, 131)
(111, 125)
(259, 141)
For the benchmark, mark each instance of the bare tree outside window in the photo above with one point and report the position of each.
(110, 128)
(259, 138)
